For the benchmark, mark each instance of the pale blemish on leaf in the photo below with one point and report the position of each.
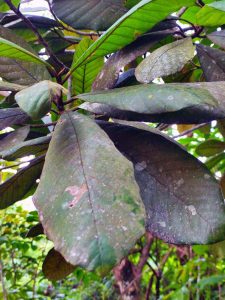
(77, 192)
(191, 209)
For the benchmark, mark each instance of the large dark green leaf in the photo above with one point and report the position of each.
(17, 71)
(169, 103)
(135, 22)
(212, 62)
(12, 116)
(55, 267)
(183, 201)
(31, 147)
(88, 200)
(36, 100)
(14, 137)
(89, 14)
(15, 188)
(165, 60)
(84, 76)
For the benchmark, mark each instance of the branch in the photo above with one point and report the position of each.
(38, 35)
(186, 132)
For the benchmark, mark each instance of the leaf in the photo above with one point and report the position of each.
(183, 201)
(11, 50)
(212, 14)
(222, 184)
(84, 76)
(8, 86)
(35, 231)
(215, 160)
(4, 7)
(169, 103)
(211, 280)
(14, 137)
(16, 187)
(221, 126)
(135, 22)
(89, 14)
(31, 147)
(212, 62)
(166, 60)
(55, 267)
(217, 37)
(111, 70)
(12, 116)
(210, 148)
(36, 100)
(92, 217)
(17, 71)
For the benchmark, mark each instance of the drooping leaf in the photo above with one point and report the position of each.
(221, 127)
(36, 100)
(35, 231)
(168, 103)
(110, 73)
(183, 201)
(15, 188)
(102, 216)
(215, 160)
(89, 14)
(135, 22)
(166, 60)
(212, 14)
(84, 76)
(212, 62)
(18, 71)
(210, 148)
(217, 37)
(12, 116)
(31, 147)
(55, 267)
(14, 137)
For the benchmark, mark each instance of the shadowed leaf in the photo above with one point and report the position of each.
(217, 37)
(55, 267)
(35, 231)
(14, 137)
(12, 116)
(15, 188)
(183, 201)
(210, 148)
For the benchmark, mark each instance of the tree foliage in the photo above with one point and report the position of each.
(85, 97)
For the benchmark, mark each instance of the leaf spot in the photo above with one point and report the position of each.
(192, 209)
(141, 166)
(77, 192)
(162, 224)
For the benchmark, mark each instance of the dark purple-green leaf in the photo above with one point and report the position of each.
(12, 116)
(184, 203)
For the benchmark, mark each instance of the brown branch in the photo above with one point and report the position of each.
(186, 132)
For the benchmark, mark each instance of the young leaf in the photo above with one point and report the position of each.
(93, 217)
(31, 147)
(18, 71)
(166, 60)
(11, 50)
(14, 137)
(84, 76)
(183, 201)
(168, 103)
(212, 14)
(212, 62)
(135, 22)
(89, 14)
(55, 267)
(210, 148)
(36, 100)
(12, 116)
(15, 188)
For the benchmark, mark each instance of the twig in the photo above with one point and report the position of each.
(148, 292)
(186, 132)
(42, 125)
